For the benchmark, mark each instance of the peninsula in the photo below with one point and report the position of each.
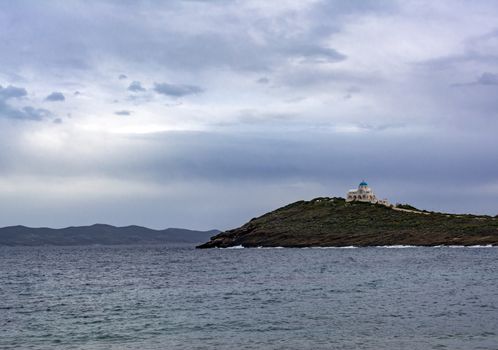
(324, 222)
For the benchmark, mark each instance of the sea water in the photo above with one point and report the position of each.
(156, 297)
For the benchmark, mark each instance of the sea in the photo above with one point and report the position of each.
(177, 297)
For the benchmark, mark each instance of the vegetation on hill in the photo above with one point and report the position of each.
(335, 222)
(407, 206)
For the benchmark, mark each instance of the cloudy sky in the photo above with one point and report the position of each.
(204, 114)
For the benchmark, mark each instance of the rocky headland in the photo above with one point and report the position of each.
(326, 222)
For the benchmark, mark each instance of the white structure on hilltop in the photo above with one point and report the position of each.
(364, 194)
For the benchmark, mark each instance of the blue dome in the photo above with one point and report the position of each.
(363, 183)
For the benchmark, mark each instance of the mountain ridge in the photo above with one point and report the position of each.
(102, 234)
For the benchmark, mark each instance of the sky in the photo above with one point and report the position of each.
(205, 114)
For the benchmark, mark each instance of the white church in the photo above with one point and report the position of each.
(365, 194)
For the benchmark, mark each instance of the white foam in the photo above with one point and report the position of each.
(398, 246)
(466, 246)
(316, 247)
(437, 246)
(346, 247)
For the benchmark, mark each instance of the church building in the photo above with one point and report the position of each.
(364, 194)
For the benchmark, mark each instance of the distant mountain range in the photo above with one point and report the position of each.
(99, 234)
(325, 222)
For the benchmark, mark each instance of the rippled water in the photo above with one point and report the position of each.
(180, 298)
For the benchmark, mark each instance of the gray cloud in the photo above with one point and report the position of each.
(317, 54)
(171, 45)
(123, 112)
(488, 79)
(136, 86)
(23, 113)
(311, 76)
(263, 80)
(11, 92)
(479, 50)
(177, 90)
(485, 78)
(122, 77)
(33, 113)
(56, 97)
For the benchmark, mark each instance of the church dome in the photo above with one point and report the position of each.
(363, 183)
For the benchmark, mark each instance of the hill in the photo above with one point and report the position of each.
(98, 234)
(334, 222)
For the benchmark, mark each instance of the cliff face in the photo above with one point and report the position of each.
(334, 222)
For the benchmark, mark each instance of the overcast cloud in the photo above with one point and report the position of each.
(243, 106)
